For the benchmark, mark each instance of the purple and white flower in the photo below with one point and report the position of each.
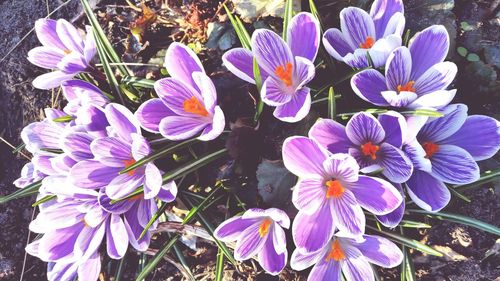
(415, 77)
(258, 232)
(80, 93)
(187, 102)
(350, 257)
(63, 49)
(375, 144)
(330, 193)
(285, 67)
(362, 34)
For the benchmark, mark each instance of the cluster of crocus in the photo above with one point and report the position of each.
(64, 50)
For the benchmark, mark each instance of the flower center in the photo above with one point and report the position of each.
(430, 148)
(67, 51)
(407, 88)
(193, 105)
(129, 163)
(264, 227)
(136, 197)
(285, 73)
(336, 253)
(369, 149)
(334, 189)
(369, 42)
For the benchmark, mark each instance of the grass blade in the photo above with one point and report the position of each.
(332, 106)
(413, 224)
(258, 84)
(22, 192)
(460, 219)
(110, 77)
(486, 177)
(409, 269)
(287, 17)
(156, 215)
(458, 194)
(119, 270)
(183, 261)
(408, 242)
(43, 200)
(138, 82)
(239, 28)
(219, 266)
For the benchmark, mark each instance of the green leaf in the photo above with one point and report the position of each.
(407, 268)
(62, 119)
(486, 177)
(413, 224)
(408, 242)
(19, 148)
(110, 77)
(287, 17)
(119, 270)
(219, 266)
(183, 261)
(473, 57)
(460, 219)
(43, 200)
(458, 194)
(156, 215)
(129, 94)
(332, 106)
(462, 51)
(423, 112)
(22, 192)
(258, 84)
(138, 82)
(240, 29)
(314, 10)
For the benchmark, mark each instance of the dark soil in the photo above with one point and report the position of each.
(21, 104)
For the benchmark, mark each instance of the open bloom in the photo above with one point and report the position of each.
(63, 49)
(415, 77)
(258, 232)
(80, 93)
(376, 34)
(285, 67)
(188, 100)
(351, 257)
(445, 151)
(375, 144)
(330, 193)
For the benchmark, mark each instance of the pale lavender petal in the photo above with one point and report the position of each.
(122, 121)
(326, 270)
(395, 127)
(181, 62)
(273, 94)
(382, 49)
(116, 237)
(92, 174)
(58, 215)
(443, 127)
(95, 216)
(168, 192)
(369, 85)
(59, 243)
(216, 128)
(296, 109)
(357, 26)
(355, 267)
(335, 44)
(134, 230)
(397, 166)
(302, 260)
(51, 80)
(380, 251)
(90, 269)
(90, 47)
(312, 232)
(119, 207)
(207, 90)
(83, 91)
(122, 185)
(436, 99)
(270, 50)
(92, 118)
(279, 216)
(232, 228)
(428, 47)
(77, 145)
(382, 11)
(239, 61)
(140, 147)
(331, 135)
(42, 163)
(349, 216)
(303, 72)
(153, 181)
(341, 166)
(398, 68)
(40, 135)
(272, 262)
(309, 195)
(303, 157)
(453, 164)
(45, 57)
(181, 127)
(428, 192)
(174, 93)
(70, 37)
(111, 151)
(303, 35)
(395, 26)
(401, 99)
(150, 114)
(436, 78)
(376, 195)
(358, 59)
(363, 128)
(46, 32)
(480, 148)
(278, 238)
(72, 63)
(417, 155)
(393, 218)
(249, 243)
(89, 240)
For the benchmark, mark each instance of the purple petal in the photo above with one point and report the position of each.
(232, 228)
(249, 243)
(89, 240)
(376, 195)
(90, 269)
(453, 164)
(92, 118)
(326, 270)
(417, 155)
(444, 127)
(168, 192)
(395, 26)
(436, 99)
(436, 78)
(140, 147)
(64, 270)
(393, 218)
(380, 251)
(111, 151)
(116, 237)
(51, 80)
(303, 35)
(239, 61)
(119, 207)
(134, 229)
(40, 135)
(277, 215)
(216, 128)
(368, 85)
(309, 195)
(207, 90)
(90, 48)
(69, 36)
(382, 49)
(335, 44)
(356, 267)
(181, 127)
(273, 94)
(278, 238)
(428, 192)
(46, 32)
(341, 166)
(331, 135)
(122, 121)
(304, 71)
(363, 128)
(296, 109)
(150, 114)
(77, 146)
(398, 68)
(92, 174)
(270, 50)
(302, 260)
(59, 243)
(84, 92)
(401, 99)
(153, 182)
(349, 217)
(303, 157)
(122, 185)
(382, 11)
(397, 167)
(312, 232)
(357, 26)
(72, 63)
(181, 62)
(358, 59)
(272, 262)
(428, 47)
(480, 148)
(395, 127)
(45, 57)
(43, 164)
(174, 93)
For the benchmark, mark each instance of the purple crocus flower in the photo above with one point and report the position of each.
(376, 34)
(285, 67)
(187, 102)
(375, 144)
(63, 49)
(330, 193)
(258, 232)
(446, 150)
(415, 77)
(350, 257)
(80, 93)
(123, 146)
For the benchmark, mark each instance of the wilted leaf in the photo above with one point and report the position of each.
(250, 10)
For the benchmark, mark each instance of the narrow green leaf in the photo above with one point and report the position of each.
(156, 215)
(407, 37)
(138, 82)
(258, 84)
(43, 200)
(129, 94)
(460, 219)
(22, 192)
(409, 269)
(110, 77)
(486, 177)
(119, 270)
(287, 17)
(66, 118)
(408, 242)
(19, 148)
(423, 112)
(332, 106)
(219, 266)
(151, 265)
(413, 224)
(183, 261)
(240, 29)
(159, 154)
(314, 10)
(458, 194)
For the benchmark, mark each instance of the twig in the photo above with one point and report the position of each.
(13, 147)
(26, 253)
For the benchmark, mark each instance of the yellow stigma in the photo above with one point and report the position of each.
(264, 227)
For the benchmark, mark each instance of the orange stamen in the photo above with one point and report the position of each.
(336, 253)
(334, 189)
(369, 42)
(129, 163)
(264, 227)
(285, 73)
(136, 197)
(407, 88)
(193, 105)
(370, 149)
(430, 148)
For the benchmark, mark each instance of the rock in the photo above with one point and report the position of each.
(492, 55)
(275, 183)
